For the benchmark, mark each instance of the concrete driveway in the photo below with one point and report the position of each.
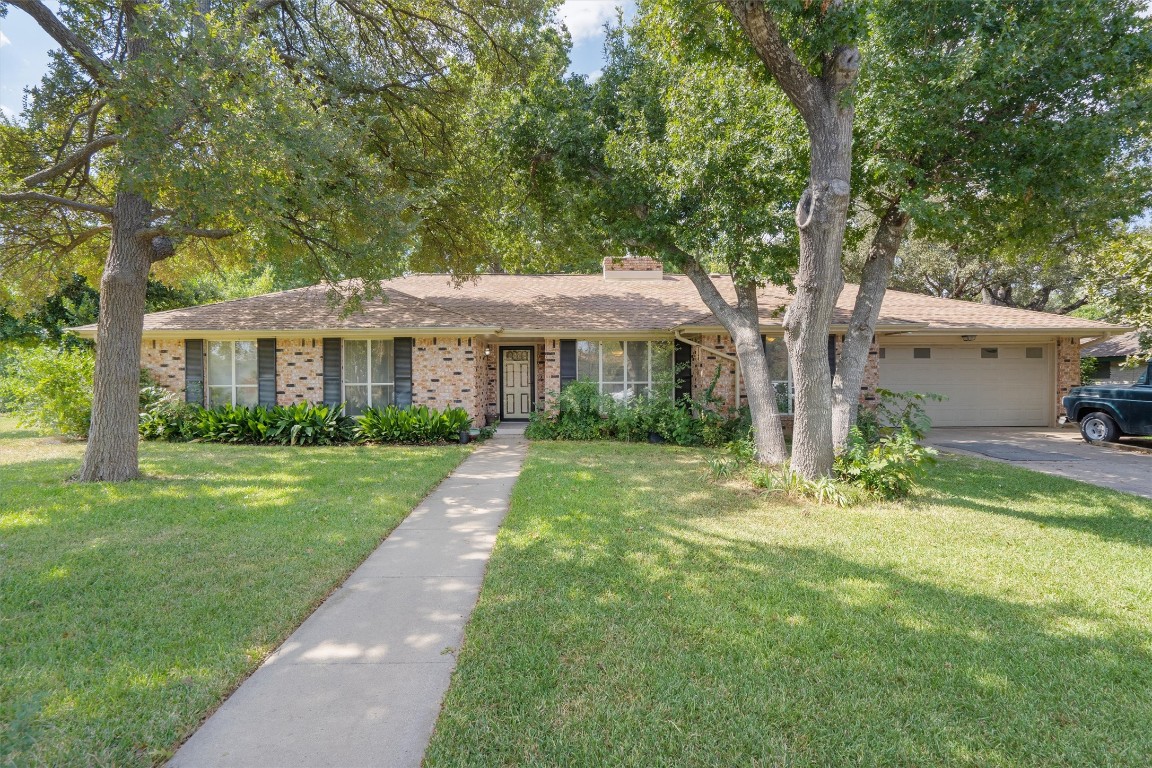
(1055, 452)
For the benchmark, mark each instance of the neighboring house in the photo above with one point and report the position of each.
(497, 345)
(1110, 354)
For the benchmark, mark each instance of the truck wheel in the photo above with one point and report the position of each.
(1099, 427)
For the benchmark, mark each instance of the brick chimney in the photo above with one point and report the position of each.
(632, 268)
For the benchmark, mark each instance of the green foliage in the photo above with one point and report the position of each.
(663, 154)
(969, 117)
(49, 389)
(886, 468)
(1088, 367)
(298, 424)
(1119, 284)
(822, 490)
(894, 412)
(580, 412)
(165, 417)
(332, 146)
(414, 424)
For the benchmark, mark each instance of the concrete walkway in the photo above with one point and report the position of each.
(361, 681)
(1055, 452)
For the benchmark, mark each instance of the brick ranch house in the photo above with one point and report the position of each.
(496, 345)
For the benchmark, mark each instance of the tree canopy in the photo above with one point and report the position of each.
(294, 132)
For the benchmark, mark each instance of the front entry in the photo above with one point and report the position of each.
(516, 383)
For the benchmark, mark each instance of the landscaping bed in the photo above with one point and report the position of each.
(128, 611)
(636, 613)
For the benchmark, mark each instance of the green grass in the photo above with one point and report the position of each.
(635, 613)
(127, 612)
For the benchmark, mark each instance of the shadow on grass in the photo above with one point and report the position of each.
(129, 609)
(1107, 514)
(687, 625)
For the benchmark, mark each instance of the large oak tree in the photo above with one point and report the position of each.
(178, 133)
(1012, 136)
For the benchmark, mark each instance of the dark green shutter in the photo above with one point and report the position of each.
(682, 359)
(194, 371)
(332, 369)
(567, 362)
(402, 350)
(266, 371)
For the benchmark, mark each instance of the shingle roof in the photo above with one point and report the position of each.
(307, 309)
(544, 303)
(1118, 346)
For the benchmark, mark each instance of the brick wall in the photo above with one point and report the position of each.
(550, 377)
(444, 373)
(164, 359)
(871, 380)
(705, 364)
(1067, 368)
(541, 374)
(299, 371)
(632, 264)
(487, 381)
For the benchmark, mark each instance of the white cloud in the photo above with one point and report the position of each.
(585, 18)
(4, 40)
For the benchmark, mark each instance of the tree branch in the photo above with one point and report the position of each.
(17, 197)
(79, 157)
(96, 68)
(801, 87)
(151, 233)
(728, 316)
(258, 8)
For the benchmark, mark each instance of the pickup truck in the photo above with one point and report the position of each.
(1107, 412)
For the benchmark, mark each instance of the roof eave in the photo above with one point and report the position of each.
(295, 333)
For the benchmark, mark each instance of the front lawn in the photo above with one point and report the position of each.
(635, 613)
(127, 612)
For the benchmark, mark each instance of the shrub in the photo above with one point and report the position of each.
(164, 416)
(50, 390)
(886, 468)
(894, 412)
(414, 424)
(579, 412)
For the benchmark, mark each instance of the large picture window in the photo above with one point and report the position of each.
(369, 374)
(781, 374)
(232, 373)
(625, 369)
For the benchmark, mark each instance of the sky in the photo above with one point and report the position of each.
(24, 46)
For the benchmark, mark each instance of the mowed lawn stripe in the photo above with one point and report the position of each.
(128, 611)
(636, 613)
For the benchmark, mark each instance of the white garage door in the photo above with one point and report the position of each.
(986, 386)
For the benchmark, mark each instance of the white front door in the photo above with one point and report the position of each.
(517, 382)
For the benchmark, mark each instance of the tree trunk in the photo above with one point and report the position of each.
(821, 216)
(111, 454)
(767, 431)
(743, 324)
(862, 327)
